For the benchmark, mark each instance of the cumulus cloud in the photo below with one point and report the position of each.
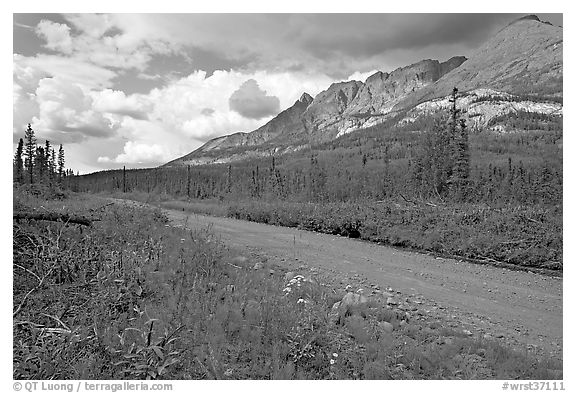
(104, 40)
(94, 25)
(65, 113)
(116, 102)
(180, 104)
(252, 102)
(204, 128)
(30, 69)
(139, 153)
(57, 36)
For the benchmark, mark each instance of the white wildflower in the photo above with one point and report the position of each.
(301, 301)
(332, 361)
(335, 354)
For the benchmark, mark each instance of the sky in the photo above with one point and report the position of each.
(139, 90)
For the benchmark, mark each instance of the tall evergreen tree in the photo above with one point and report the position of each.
(47, 159)
(461, 167)
(40, 163)
(30, 149)
(18, 163)
(460, 170)
(60, 163)
(53, 163)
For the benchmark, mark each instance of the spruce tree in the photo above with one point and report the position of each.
(460, 170)
(39, 163)
(18, 163)
(53, 163)
(60, 163)
(30, 149)
(47, 159)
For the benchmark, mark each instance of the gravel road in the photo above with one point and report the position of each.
(523, 309)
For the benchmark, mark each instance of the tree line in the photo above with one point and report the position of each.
(35, 163)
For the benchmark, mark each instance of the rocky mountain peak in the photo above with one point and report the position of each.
(377, 77)
(528, 17)
(305, 98)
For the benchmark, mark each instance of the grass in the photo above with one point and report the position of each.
(131, 297)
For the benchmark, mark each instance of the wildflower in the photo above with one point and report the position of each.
(301, 301)
(335, 354)
(332, 361)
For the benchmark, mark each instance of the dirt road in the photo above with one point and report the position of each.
(521, 308)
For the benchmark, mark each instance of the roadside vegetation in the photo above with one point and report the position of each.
(131, 297)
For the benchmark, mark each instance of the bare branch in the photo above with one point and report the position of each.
(54, 217)
(30, 292)
(29, 271)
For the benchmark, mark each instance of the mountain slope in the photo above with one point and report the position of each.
(514, 71)
(348, 106)
(285, 127)
(525, 57)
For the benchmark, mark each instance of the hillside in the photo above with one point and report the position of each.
(523, 58)
(517, 71)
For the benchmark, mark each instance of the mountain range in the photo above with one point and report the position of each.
(518, 70)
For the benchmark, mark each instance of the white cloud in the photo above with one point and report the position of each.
(116, 102)
(105, 40)
(57, 36)
(65, 113)
(29, 70)
(360, 76)
(69, 100)
(180, 104)
(24, 109)
(202, 128)
(252, 102)
(139, 153)
(94, 25)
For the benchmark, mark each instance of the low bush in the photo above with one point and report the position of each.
(525, 236)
